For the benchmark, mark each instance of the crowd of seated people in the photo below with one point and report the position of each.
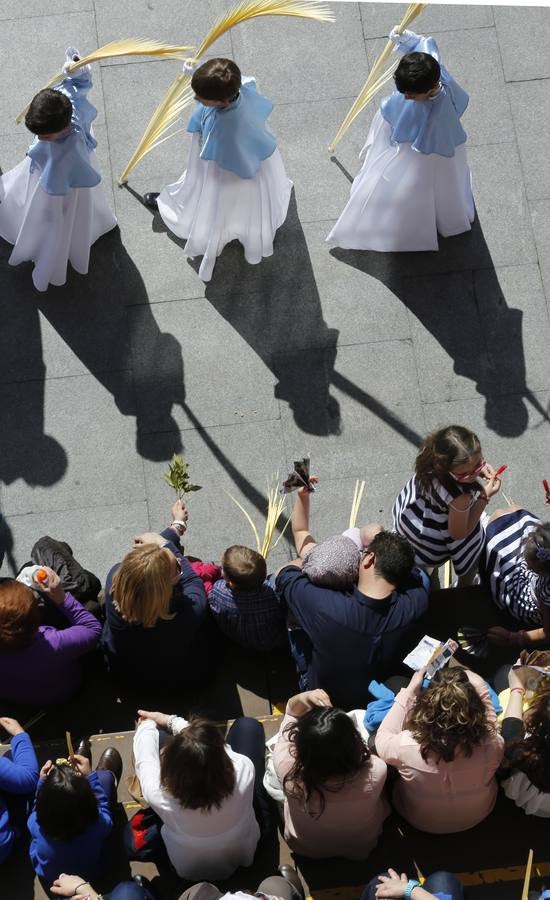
(347, 610)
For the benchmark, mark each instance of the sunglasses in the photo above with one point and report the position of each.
(465, 475)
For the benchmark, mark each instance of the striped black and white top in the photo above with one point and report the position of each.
(424, 521)
(514, 586)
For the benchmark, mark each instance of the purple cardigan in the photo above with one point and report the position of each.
(47, 671)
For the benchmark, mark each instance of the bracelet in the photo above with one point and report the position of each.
(520, 689)
(410, 886)
(180, 523)
(82, 883)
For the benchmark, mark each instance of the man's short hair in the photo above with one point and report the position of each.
(394, 557)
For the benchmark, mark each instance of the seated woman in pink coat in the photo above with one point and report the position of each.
(444, 743)
(335, 804)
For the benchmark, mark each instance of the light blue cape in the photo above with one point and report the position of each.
(65, 162)
(431, 126)
(236, 137)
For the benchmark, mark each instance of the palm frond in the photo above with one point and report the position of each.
(253, 9)
(123, 47)
(375, 82)
(356, 502)
(171, 106)
(249, 518)
(275, 508)
(177, 97)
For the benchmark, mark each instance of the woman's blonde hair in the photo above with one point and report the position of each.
(448, 716)
(142, 586)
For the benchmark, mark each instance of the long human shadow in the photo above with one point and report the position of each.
(456, 295)
(107, 322)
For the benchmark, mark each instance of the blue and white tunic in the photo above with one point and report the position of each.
(514, 587)
(415, 182)
(423, 518)
(234, 187)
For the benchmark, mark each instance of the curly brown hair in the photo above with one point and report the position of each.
(449, 716)
(440, 452)
(531, 754)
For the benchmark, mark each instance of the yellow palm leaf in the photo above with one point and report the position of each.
(252, 9)
(376, 81)
(356, 502)
(125, 47)
(171, 105)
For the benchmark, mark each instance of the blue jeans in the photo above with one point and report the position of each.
(129, 890)
(439, 882)
(247, 736)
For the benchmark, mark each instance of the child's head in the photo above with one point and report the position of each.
(66, 804)
(417, 75)
(333, 563)
(49, 114)
(243, 568)
(536, 549)
(451, 454)
(217, 82)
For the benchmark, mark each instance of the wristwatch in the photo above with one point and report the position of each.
(411, 885)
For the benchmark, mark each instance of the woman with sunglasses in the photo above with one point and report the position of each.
(440, 509)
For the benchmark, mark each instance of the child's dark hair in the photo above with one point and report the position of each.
(244, 568)
(536, 549)
(394, 557)
(217, 79)
(49, 112)
(417, 73)
(66, 804)
(443, 450)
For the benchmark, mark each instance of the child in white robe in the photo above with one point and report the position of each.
(52, 205)
(415, 181)
(235, 185)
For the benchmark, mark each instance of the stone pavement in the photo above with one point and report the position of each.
(349, 356)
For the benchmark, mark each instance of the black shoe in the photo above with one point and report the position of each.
(291, 876)
(150, 200)
(111, 760)
(84, 749)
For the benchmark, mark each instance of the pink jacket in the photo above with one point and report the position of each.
(440, 797)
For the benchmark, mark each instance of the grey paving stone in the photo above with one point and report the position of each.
(540, 217)
(158, 256)
(528, 100)
(99, 536)
(55, 33)
(132, 94)
(361, 306)
(35, 9)
(521, 442)
(379, 18)
(371, 416)
(178, 362)
(309, 50)
(464, 325)
(304, 131)
(331, 504)
(523, 38)
(180, 22)
(473, 58)
(515, 324)
(239, 459)
(65, 445)
(446, 332)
